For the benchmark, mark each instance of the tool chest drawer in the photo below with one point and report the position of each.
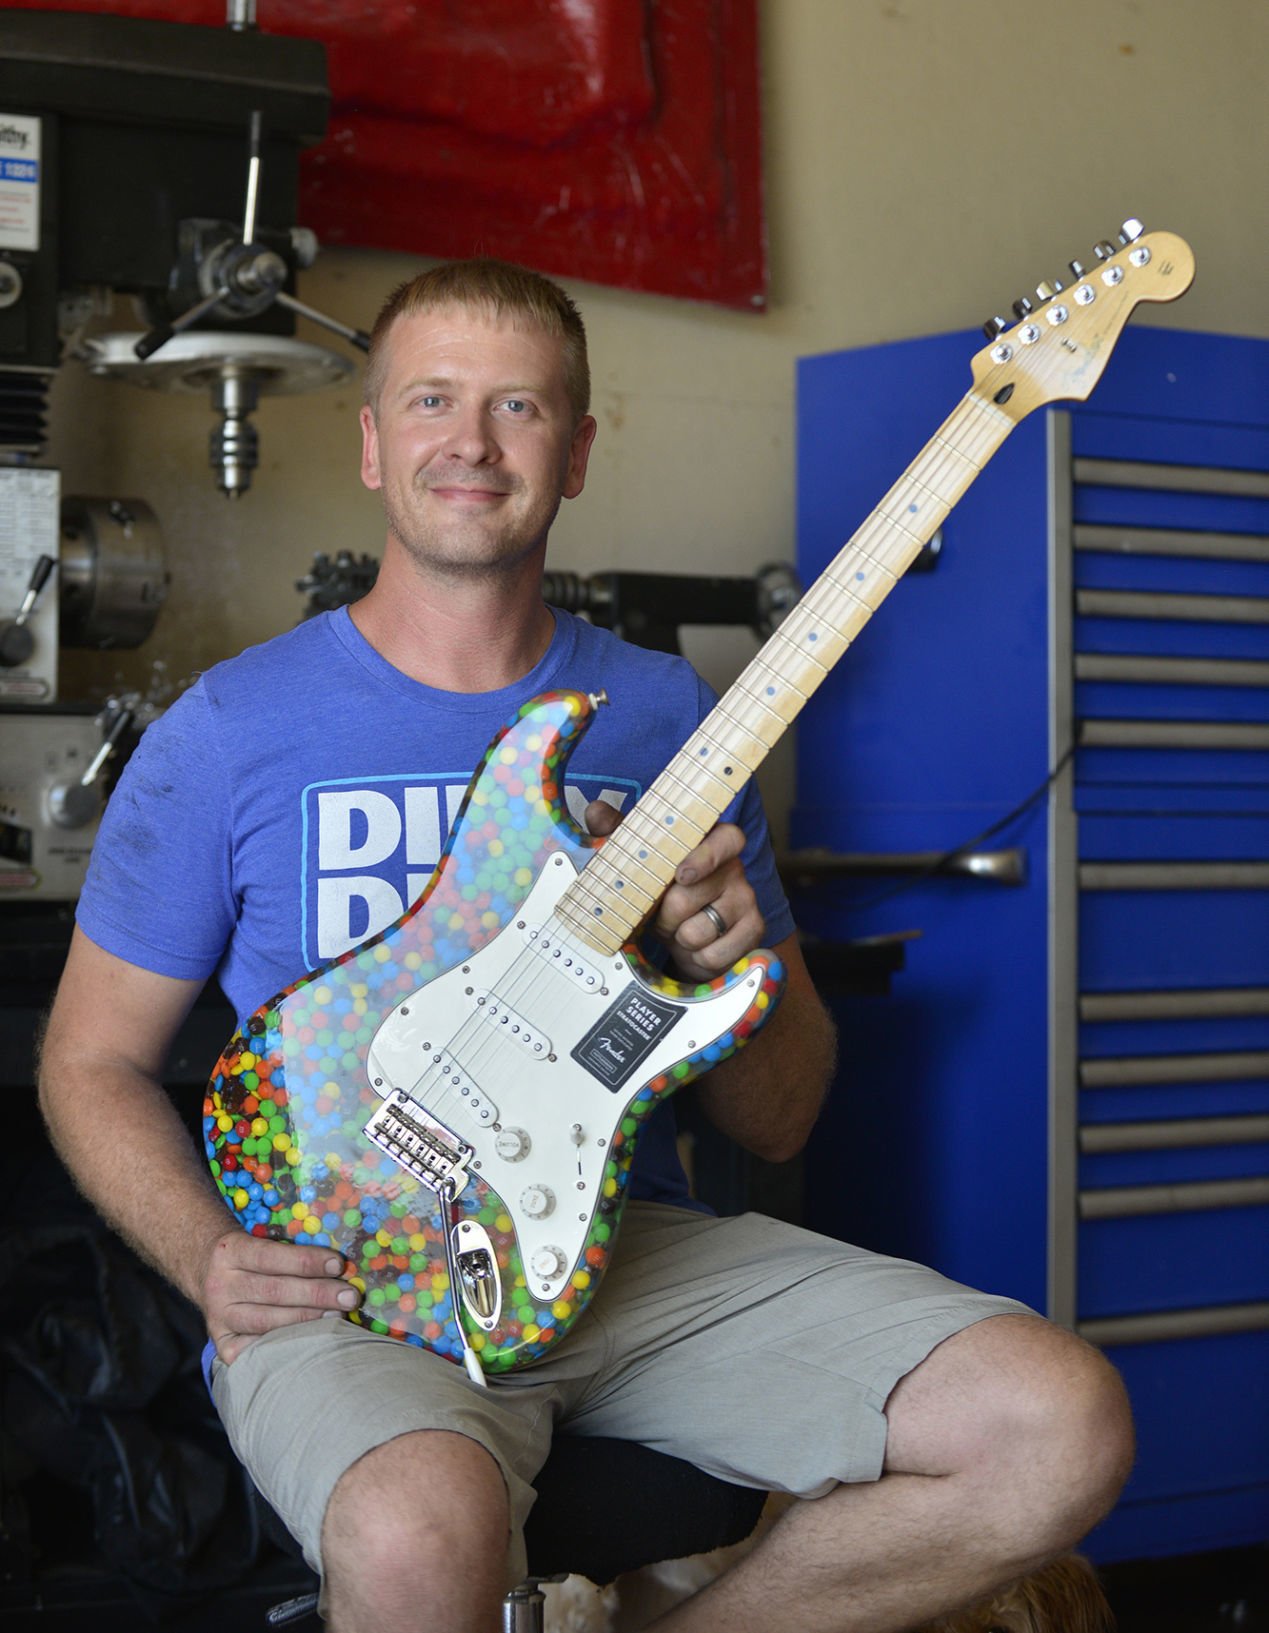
(1067, 1097)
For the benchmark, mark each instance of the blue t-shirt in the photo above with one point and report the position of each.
(296, 799)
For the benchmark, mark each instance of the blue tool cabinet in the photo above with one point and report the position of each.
(1066, 1096)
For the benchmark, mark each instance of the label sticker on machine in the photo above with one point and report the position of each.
(625, 1035)
(19, 181)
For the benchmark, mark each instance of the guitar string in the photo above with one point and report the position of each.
(877, 543)
(526, 978)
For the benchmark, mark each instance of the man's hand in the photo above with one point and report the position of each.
(710, 876)
(254, 1284)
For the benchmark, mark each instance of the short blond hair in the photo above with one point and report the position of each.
(501, 289)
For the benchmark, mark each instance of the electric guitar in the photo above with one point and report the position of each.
(453, 1106)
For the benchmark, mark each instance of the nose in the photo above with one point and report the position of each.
(470, 436)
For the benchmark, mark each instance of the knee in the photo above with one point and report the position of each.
(1064, 1413)
(427, 1509)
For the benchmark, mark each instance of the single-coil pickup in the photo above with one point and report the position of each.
(512, 1025)
(446, 1084)
(418, 1143)
(564, 958)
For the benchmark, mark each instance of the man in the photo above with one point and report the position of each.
(944, 1441)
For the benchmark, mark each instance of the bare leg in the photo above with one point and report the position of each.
(415, 1536)
(1005, 1446)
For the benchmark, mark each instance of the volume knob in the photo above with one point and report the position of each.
(547, 1262)
(537, 1201)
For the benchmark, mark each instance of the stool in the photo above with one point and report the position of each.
(606, 1507)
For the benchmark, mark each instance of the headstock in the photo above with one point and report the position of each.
(1061, 342)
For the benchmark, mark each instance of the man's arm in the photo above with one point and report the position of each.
(108, 1036)
(768, 1095)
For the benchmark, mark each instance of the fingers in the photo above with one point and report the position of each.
(254, 1284)
(601, 818)
(711, 876)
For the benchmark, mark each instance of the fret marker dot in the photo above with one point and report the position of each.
(669, 822)
(770, 691)
(859, 578)
(599, 912)
(812, 636)
(913, 508)
(643, 856)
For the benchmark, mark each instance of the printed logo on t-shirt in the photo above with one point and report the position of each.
(370, 847)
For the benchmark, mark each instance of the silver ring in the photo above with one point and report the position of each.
(715, 918)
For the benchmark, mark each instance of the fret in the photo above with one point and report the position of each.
(622, 882)
(872, 547)
(659, 805)
(697, 776)
(769, 693)
(809, 628)
(685, 801)
(960, 454)
(737, 744)
(594, 933)
(643, 857)
(867, 592)
(706, 746)
(928, 502)
(763, 727)
(789, 665)
(668, 844)
(625, 861)
(607, 913)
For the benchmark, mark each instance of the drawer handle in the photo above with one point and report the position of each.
(1130, 1201)
(1004, 867)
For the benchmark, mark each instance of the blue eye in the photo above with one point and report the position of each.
(517, 405)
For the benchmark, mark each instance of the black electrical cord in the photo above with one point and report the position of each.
(943, 860)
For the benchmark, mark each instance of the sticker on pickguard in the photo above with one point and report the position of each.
(625, 1035)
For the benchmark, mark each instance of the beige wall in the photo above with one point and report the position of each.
(926, 162)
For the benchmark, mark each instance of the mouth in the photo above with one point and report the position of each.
(468, 497)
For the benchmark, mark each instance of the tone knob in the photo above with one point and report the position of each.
(538, 1201)
(512, 1144)
(547, 1262)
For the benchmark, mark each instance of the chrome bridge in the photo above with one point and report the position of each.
(415, 1141)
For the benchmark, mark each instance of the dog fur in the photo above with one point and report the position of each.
(1064, 1597)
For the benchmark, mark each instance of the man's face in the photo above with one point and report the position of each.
(474, 442)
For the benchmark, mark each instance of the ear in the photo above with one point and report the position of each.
(369, 448)
(578, 456)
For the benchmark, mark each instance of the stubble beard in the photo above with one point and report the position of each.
(468, 552)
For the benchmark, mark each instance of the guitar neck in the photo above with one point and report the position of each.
(623, 882)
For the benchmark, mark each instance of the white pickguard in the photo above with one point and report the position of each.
(487, 1051)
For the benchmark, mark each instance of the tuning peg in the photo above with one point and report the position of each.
(1104, 250)
(1022, 307)
(1077, 269)
(1047, 290)
(1131, 230)
(994, 327)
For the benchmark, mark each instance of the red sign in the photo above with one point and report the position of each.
(615, 141)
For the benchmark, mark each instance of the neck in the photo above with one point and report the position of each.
(459, 635)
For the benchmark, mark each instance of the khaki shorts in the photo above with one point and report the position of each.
(760, 1352)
